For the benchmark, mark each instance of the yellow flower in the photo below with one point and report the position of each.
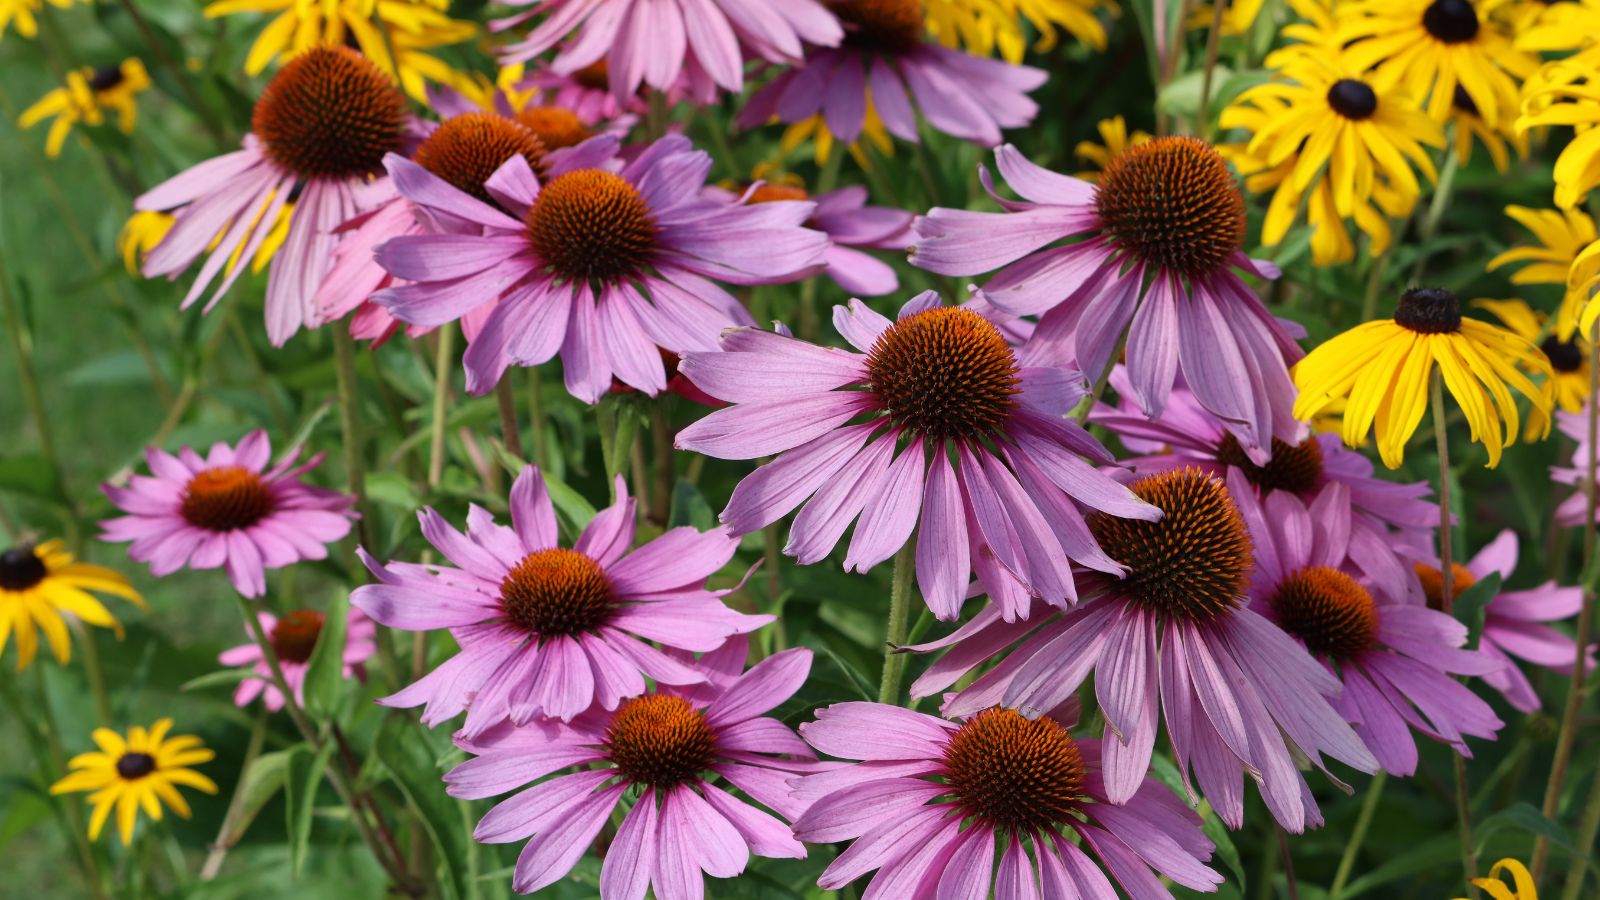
(1561, 236)
(1383, 368)
(1582, 281)
(1469, 124)
(145, 229)
(1496, 886)
(1568, 94)
(1562, 28)
(1569, 359)
(22, 12)
(408, 27)
(40, 584)
(141, 772)
(986, 25)
(1323, 132)
(816, 130)
(1236, 19)
(1114, 134)
(88, 94)
(1430, 46)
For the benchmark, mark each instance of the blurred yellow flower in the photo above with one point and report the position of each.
(822, 140)
(1568, 93)
(41, 586)
(1496, 886)
(984, 26)
(1383, 369)
(1115, 137)
(1569, 359)
(1561, 28)
(145, 229)
(407, 27)
(142, 771)
(23, 13)
(86, 97)
(1561, 236)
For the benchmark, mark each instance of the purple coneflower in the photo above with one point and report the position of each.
(844, 216)
(227, 509)
(318, 135)
(886, 62)
(546, 630)
(1572, 511)
(599, 260)
(1159, 235)
(1238, 695)
(293, 636)
(932, 799)
(1377, 511)
(1513, 626)
(872, 434)
(673, 746)
(662, 43)
(1395, 659)
(587, 92)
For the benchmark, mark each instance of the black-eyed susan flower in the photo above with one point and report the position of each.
(1329, 133)
(23, 13)
(141, 771)
(1583, 280)
(86, 98)
(1561, 235)
(985, 26)
(394, 34)
(1496, 887)
(1568, 94)
(1560, 29)
(1470, 126)
(1430, 46)
(145, 229)
(42, 587)
(1382, 367)
(1568, 386)
(1114, 138)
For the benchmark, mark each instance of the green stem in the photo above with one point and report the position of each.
(1588, 825)
(22, 345)
(661, 458)
(536, 414)
(344, 354)
(1202, 119)
(1441, 202)
(94, 674)
(1375, 277)
(509, 431)
(178, 74)
(444, 358)
(1087, 404)
(230, 819)
(1292, 883)
(1169, 63)
(1358, 835)
(894, 661)
(1463, 794)
(1570, 713)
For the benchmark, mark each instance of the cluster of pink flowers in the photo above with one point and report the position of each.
(1250, 584)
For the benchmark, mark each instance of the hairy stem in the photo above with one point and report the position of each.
(894, 661)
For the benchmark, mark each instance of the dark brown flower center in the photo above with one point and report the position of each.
(467, 149)
(1172, 203)
(1022, 774)
(556, 592)
(769, 191)
(21, 569)
(660, 740)
(295, 635)
(882, 26)
(1433, 583)
(1328, 610)
(595, 76)
(1564, 356)
(592, 225)
(1295, 468)
(330, 113)
(134, 766)
(1462, 101)
(105, 78)
(226, 499)
(944, 373)
(1451, 21)
(556, 126)
(1352, 99)
(1428, 311)
(1194, 562)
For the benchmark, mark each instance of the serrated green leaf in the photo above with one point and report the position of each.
(402, 749)
(325, 687)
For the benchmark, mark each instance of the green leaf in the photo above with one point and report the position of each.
(393, 489)
(219, 678)
(1523, 817)
(302, 777)
(31, 474)
(689, 507)
(1429, 856)
(257, 785)
(325, 684)
(403, 749)
(1472, 604)
(113, 368)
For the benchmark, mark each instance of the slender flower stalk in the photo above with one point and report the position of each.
(443, 360)
(510, 432)
(894, 660)
(230, 819)
(1358, 834)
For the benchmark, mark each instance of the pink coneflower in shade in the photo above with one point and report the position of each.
(932, 800)
(1160, 234)
(227, 509)
(1380, 514)
(598, 260)
(1237, 693)
(1514, 621)
(586, 91)
(294, 636)
(872, 433)
(662, 44)
(546, 630)
(678, 749)
(318, 135)
(852, 226)
(1395, 659)
(1572, 511)
(887, 63)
